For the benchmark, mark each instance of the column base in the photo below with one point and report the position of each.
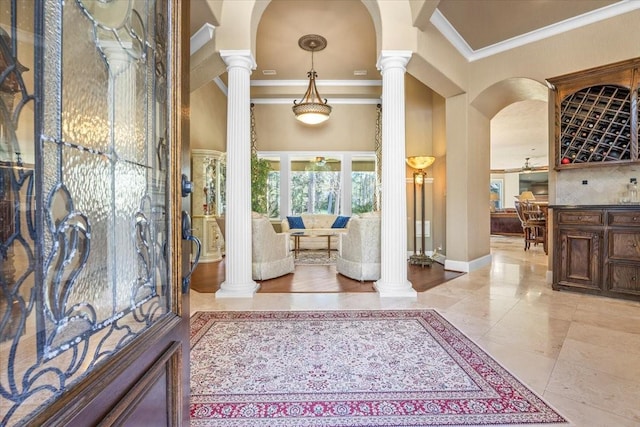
(244, 290)
(395, 290)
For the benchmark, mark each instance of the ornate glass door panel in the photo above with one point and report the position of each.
(84, 171)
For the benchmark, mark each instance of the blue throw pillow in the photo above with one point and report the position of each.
(295, 222)
(340, 222)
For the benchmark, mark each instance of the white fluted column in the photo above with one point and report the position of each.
(238, 282)
(393, 230)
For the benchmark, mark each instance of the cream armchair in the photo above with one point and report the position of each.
(359, 249)
(271, 255)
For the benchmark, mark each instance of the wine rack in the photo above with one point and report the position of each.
(597, 116)
(596, 125)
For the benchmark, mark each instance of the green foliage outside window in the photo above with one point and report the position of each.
(260, 169)
(363, 185)
(316, 190)
(273, 196)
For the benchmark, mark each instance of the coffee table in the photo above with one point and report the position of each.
(298, 234)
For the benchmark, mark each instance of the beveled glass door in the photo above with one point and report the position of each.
(87, 265)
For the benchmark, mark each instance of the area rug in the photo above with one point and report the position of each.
(313, 257)
(349, 368)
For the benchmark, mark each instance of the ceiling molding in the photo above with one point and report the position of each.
(223, 87)
(447, 30)
(333, 101)
(304, 83)
(201, 37)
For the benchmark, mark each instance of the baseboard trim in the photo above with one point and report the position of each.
(549, 276)
(467, 266)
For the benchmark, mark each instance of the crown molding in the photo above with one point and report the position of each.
(333, 101)
(450, 33)
(288, 100)
(304, 83)
(201, 37)
(218, 81)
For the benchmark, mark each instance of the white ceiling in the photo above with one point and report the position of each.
(518, 131)
(475, 27)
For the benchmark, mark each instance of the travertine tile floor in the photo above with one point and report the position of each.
(580, 352)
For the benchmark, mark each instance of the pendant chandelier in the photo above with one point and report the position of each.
(311, 109)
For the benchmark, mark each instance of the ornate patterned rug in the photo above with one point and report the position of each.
(349, 368)
(315, 257)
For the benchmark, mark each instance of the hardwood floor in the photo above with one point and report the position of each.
(318, 278)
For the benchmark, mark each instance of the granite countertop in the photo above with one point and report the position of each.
(632, 206)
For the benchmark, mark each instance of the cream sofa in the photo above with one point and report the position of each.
(359, 249)
(315, 223)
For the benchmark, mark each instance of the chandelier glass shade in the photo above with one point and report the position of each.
(312, 109)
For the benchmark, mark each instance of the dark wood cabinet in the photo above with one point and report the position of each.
(624, 278)
(579, 247)
(596, 115)
(597, 250)
(623, 260)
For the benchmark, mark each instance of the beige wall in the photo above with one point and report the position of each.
(478, 177)
(439, 170)
(208, 124)
(457, 203)
(350, 128)
(419, 142)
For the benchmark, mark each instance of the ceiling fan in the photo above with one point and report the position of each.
(528, 167)
(321, 161)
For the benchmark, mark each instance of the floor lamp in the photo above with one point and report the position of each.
(419, 163)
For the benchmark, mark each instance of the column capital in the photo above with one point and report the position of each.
(118, 54)
(393, 59)
(238, 58)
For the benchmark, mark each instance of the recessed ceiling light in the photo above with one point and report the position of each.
(268, 72)
(359, 72)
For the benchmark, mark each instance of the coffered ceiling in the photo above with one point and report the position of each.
(476, 28)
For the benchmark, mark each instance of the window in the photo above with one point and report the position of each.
(339, 183)
(315, 186)
(496, 193)
(363, 184)
(273, 190)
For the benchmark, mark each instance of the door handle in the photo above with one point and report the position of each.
(187, 186)
(186, 235)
